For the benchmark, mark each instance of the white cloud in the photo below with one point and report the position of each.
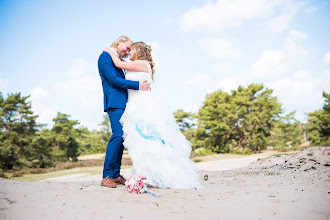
(300, 91)
(85, 91)
(227, 84)
(41, 105)
(280, 23)
(287, 12)
(326, 59)
(81, 97)
(80, 86)
(285, 71)
(46, 113)
(218, 48)
(232, 13)
(296, 36)
(38, 94)
(155, 47)
(198, 79)
(277, 63)
(191, 108)
(288, 72)
(325, 81)
(269, 63)
(3, 86)
(311, 9)
(228, 13)
(77, 68)
(224, 14)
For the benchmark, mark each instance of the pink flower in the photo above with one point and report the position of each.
(129, 188)
(135, 190)
(142, 177)
(140, 184)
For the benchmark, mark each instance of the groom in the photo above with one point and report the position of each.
(115, 96)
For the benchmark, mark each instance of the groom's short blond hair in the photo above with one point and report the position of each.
(119, 40)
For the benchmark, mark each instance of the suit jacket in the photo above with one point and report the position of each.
(114, 83)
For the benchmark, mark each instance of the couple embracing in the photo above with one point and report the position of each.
(155, 144)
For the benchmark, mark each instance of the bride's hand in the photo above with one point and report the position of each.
(107, 50)
(112, 54)
(145, 85)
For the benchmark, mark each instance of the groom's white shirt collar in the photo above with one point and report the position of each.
(114, 51)
(126, 58)
(124, 71)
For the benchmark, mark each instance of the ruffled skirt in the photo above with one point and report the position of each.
(156, 145)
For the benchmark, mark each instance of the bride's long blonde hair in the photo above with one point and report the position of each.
(143, 52)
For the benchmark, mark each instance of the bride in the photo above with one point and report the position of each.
(155, 144)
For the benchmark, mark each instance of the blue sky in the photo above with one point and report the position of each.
(49, 49)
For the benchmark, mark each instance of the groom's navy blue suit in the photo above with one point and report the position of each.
(115, 97)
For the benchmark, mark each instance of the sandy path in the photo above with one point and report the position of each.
(289, 187)
(215, 165)
(228, 164)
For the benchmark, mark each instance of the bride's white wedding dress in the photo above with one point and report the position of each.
(155, 144)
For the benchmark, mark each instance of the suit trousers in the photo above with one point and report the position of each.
(115, 146)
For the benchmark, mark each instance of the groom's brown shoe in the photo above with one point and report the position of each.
(108, 182)
(120, 180)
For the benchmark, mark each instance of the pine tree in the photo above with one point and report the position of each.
(17, 128)
(65, 135)
(286, 132)
(318, 126)
(240, 121)
(187, 123)
(42, 148)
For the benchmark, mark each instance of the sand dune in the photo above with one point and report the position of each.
(293, 186)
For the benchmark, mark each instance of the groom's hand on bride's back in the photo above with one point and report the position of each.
(144, 85)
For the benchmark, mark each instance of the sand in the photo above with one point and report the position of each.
(295, 186)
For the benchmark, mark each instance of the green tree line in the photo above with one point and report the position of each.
(26, 144)
(248, 119)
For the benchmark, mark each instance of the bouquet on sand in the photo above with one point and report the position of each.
(136, 183)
